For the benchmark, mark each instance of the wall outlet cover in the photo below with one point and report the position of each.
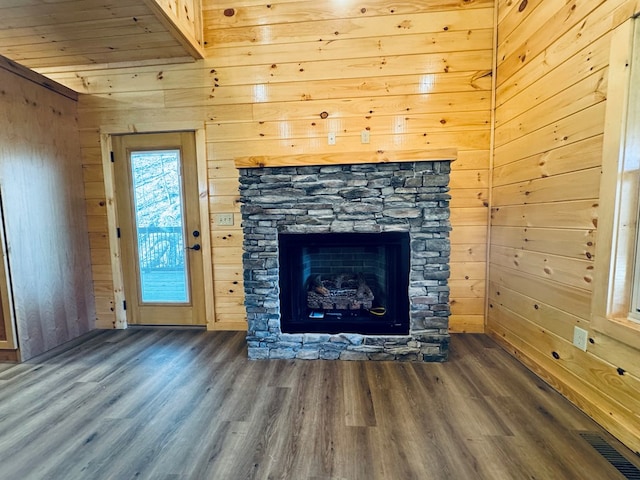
(580, 338)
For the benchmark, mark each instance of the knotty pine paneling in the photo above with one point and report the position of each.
(577, 185)
(550, 101)
(416, 75)
(53, 36)
(221, 15)
(321, 29)
(563, 242)
(584, 154)
(577, 97)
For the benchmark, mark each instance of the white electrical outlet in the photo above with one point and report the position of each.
(224, 219)
(580, 338)
(365, 136)
(331, 138)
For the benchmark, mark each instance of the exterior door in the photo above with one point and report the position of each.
(159, 222)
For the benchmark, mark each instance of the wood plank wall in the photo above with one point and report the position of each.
(278, 78)
(44, 214)
(551, 96)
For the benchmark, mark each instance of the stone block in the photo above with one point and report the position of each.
(438, 245)
(329, 354)
(315, 338)
(259, 324)
(353, 338)
(366, 348)
(381, 356)
(304, 178)
(402, 213)
(358, 208)
(393, 224)
(396, 201)
(349, 355)
(417, 291)
(413, 182)
(320, 213)
(308, 354)
(436, 322)
(342, 226)
(425, 167)
(273, 323)
(357, 193)
(402, 350)
(367, 227)
(257, 353)
(379, 182)
(292, 337)
(408, 357)
(305, 228)
(357, 183)
(364, 167)
(282, 353)
(305, 220)
(430, 350)
(338, 339)
(330, 169)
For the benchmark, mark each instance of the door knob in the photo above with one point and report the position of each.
(196, 247)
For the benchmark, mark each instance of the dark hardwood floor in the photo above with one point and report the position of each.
(167, 404)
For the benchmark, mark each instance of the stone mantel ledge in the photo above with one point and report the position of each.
(347, 158)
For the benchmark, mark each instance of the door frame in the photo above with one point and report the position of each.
(106, 133)
(6, 292)
(141, 311)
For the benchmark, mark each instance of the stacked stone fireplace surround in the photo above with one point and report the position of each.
(367, 198)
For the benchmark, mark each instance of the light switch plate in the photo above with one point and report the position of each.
(224, 219)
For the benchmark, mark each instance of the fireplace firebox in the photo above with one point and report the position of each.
(344, 283)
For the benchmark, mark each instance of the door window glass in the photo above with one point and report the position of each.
(159, 219)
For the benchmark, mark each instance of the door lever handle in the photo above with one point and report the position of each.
(196, 247)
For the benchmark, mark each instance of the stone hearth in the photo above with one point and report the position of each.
(387, 197)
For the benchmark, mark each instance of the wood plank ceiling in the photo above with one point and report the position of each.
(56, 33)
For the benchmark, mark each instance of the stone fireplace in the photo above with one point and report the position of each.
(328, 248)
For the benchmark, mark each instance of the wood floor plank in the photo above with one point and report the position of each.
(188, 404)
(359, 411)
